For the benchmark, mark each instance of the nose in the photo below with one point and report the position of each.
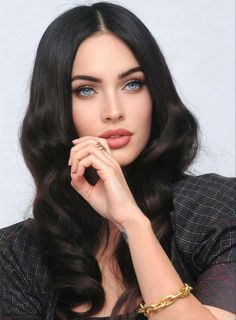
(112, 110)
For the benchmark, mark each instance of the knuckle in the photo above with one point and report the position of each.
(91, 148)
(73, 151)
(92, 157)
(74, 148)
(91, 145)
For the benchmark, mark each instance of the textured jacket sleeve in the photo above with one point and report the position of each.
(23, 276)
(204, 220)
(204, 224)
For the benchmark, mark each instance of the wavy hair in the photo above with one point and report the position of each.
(69, 230)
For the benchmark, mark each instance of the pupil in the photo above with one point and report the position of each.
(86, 90)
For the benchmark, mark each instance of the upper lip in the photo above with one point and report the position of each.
(116, 132)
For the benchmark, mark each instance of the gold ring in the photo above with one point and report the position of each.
(100, 147)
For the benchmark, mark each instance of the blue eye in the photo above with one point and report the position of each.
(84, 92)
(134, 85)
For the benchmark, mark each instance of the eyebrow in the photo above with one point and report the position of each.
(120, 76)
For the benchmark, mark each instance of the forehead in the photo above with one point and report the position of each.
(103, 52)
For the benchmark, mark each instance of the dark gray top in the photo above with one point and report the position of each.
(203, 252)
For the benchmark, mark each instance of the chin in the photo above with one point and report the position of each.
(124, 160)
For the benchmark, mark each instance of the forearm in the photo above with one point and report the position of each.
(156, 275)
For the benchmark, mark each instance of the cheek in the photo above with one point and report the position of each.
(144, 112)
(81, 119)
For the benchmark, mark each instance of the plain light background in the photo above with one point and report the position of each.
(197, 38)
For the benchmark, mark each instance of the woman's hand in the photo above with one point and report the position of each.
(110, 196)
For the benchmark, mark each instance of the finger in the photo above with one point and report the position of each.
(82, 139)
(78, 146)
(93, 139)
(74, 163)
(79, 182)
(75, 149)
(87, 140)
(86, 151)
(81, 185)
(103, 169)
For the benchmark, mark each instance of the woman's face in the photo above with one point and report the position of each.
(109, 93)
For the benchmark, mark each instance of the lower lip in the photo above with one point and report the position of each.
(116, 143)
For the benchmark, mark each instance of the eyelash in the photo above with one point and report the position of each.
(78, 90)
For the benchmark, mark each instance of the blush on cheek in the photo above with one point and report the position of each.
(82, 123)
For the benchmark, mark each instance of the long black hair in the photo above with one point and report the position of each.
(69, 230)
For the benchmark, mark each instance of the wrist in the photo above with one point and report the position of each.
(135, 222)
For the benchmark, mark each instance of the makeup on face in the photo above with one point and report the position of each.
(117, 138)
(82, 87)
(110, 98)
(95, 79)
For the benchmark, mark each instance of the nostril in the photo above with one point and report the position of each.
(114, 117)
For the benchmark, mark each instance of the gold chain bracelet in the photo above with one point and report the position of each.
(165, 301)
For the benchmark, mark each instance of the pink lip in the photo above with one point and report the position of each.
(124, 137)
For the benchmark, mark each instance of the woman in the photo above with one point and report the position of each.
(118, 224)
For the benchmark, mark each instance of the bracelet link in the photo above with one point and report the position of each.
(168, 300)
(165, 301)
